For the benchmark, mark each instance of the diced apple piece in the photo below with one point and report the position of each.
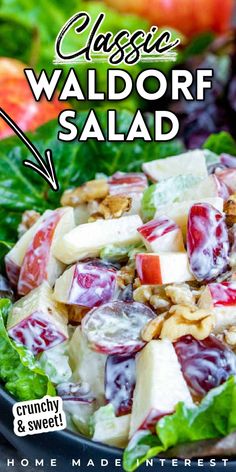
(125, 184)
(228, 178)
(206, 188)
(39, 264)
(135, 204)
(162, 235)
(87, 366)
(37, 321)
(165, 268)
(87, 240)
(88, 284)
(178, 212)
(221, 299)
(81, 214)
(192, 162)
(14, 258)
(160, 385)
(112, 430)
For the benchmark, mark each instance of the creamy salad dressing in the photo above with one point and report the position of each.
(115, 370)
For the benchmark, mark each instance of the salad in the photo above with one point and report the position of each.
(123, 302)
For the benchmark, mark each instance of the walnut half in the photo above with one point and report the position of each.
(114, 206)
(125, 276)
(154, 295)
(230, 210)
(152, 329)
(29, 217)
(230, 337)
(183, 320)
(91, 190)
(180, 294)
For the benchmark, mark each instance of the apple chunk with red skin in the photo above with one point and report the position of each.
(122, 183)
(162, 235)
(165, 268)
(14, 258)
(220, 298)
(39, 264)
(131, 184)
(17, 100)
(89, 284)
(228, 178)
(37, 321)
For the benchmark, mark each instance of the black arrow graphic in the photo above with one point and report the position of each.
(46, 167)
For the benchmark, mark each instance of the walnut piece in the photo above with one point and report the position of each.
(230, 210)
(143, 293)
(152, 329)
(184, 320)
(137, 283)
(76, 313)
(125, 276)
(91, 190)
(114, 206)
(180, 294)
(29, 217)
(230, 336)
(154, 295)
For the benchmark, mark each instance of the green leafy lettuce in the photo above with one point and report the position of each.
(19, 370)
(75, 162)
(221, 143)
(214, 418)
(28, 32)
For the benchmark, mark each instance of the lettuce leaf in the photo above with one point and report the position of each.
(214, 418)
(75, 162)
(221, 143)
(19, 370)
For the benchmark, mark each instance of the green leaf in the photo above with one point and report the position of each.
(214, 418)
(4, 249)
(198, 45)
(75, 162)
(221, 143)
(28, 31)
(19, 370)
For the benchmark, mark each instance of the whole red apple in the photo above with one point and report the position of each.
(188, 16)
(18, 101)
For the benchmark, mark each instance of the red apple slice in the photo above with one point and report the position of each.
(16, 98)
(14, 258)
(228, 178)
(221, 299)
(37, 321)
(166, 268)
(121, 183)
(88, 284)
(39, 264)
(162, 235)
